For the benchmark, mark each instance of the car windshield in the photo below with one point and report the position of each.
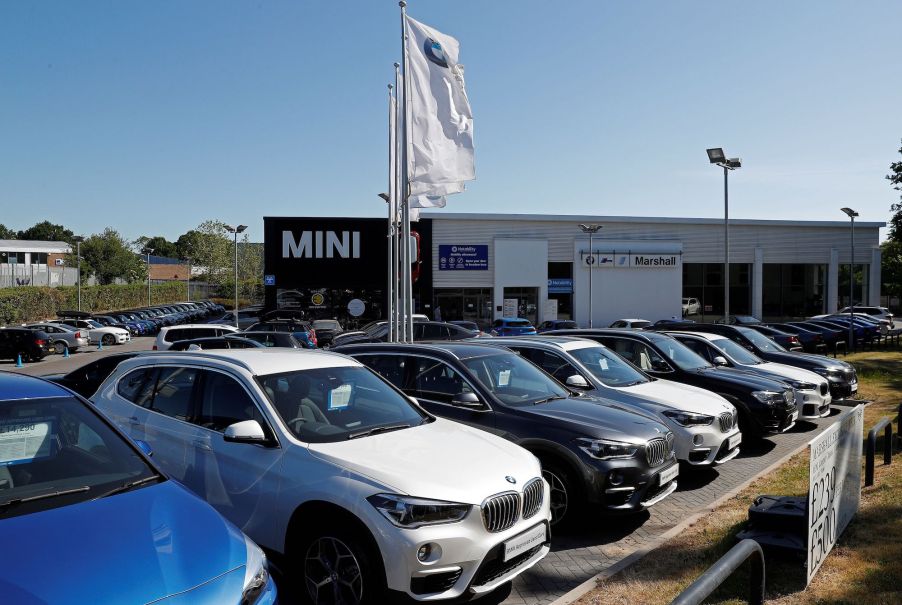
(513, 380)
(761, 341)
(334, 404)
(679, 354)
(608, 367)
(326, 324)
(95, 324)
(56, 452)
(737, 352)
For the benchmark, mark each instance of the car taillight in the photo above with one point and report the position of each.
(40, 342)
(313, 336)
(78, 335)
(154, 348)
(794, 340)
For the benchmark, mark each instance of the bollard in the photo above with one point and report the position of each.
(871, 448)
(66, 353)
(19, 363)
(100, 345)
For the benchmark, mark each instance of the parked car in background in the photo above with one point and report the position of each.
(765, 406)
(109, 320)
(830, 335)
(691, 306)
(511, 326)
(841, 375)
(705, 425)
(96, 331)
(327, 465)
(786, 340)
(282, 340)
(62, 338)
(86, 379)
(811, 390)
(740, 320)
(326, 330)
(214, 343)
(291, 322)
(246, 318)
(556, 324)
(167, 336)
(422, 330)
(875, 312)
(592, 451)
(69, 477)
(633, 324)
(812, 340)
(859, 333)
(30, 345)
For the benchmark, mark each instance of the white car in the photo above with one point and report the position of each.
(171, 334)
(317, 458)
(97, 332)
(633, 323)
(691, 306)
(874, 312)
(705, 425)
(811, 389)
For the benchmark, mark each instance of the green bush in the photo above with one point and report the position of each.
(31, 303)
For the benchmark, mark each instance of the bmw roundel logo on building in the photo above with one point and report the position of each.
(434, 52)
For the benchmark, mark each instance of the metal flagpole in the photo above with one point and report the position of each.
(389, 292)
(405, 185)
(396, 175)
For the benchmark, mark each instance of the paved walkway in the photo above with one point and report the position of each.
(578, 555)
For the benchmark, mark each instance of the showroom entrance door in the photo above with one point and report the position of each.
(527, 302)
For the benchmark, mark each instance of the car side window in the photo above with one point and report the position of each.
(137, 386)
(390, 367)
(699, 347)
(436, 381)
(618, 324)
(224, 402)
(174, 392)
(648, 358)
(625, 348)
(433, 332)
(554, 364)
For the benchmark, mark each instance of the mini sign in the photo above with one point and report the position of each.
(469, 257)
(834, 491)
(269, 280)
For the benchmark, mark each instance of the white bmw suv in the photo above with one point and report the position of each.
(321, 461)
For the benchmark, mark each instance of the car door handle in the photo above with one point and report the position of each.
(202, 445)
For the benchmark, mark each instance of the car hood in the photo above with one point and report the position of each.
(804, 360)
(782, 371)
(134, 547)
(742, 377)
(667, 394)
(442, 460)
(591, 416)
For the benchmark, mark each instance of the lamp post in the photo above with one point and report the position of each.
(188, 281)
(78, 241)
(851, 214)
(716, 156)
(148, 252)
(236, 231)
(591, 230)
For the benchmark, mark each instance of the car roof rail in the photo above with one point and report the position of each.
(196, 354)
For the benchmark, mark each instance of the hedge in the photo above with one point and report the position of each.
(31, 303)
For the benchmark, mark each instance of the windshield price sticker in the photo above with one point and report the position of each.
(504, 378)
(834, 491)
(23, 441)
(340, 397)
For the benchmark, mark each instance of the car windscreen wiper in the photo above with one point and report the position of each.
(130, 485)
(547, 399)
(379, 429)
(63, 492)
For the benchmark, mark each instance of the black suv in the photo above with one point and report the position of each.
(591, 450)
(765, 405)
(31, 345)
(422, 330)
(840, 375)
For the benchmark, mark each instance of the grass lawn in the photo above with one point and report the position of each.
(865, 566)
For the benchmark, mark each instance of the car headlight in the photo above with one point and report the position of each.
(410, 513)
(768, 397)
(256, 574)
(688, 418)
(803, 386)
(605, 449)
(831, 374)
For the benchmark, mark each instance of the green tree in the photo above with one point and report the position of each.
(895, 223)
(48, 232)
(6, 232)
(108, 257)
(211, 249)
(891, 267)
(159, 244)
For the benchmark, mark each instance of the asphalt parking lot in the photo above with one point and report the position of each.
(596, 542)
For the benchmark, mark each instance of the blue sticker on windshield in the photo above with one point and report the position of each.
(25, 440)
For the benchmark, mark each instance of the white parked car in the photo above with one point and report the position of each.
(691, 306)
(634, 324)
(874, 312)
(62, 338)
(705, 425)
(97, 332)
(812, 390)
(171, 334)
(317, 458)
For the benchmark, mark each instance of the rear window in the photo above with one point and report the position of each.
(567, 324)
(176, 334)
(518, 323)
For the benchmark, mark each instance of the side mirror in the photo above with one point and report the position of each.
(577, 382)
(246, 431)
(720, 361)
(144, 447)
(467, 400)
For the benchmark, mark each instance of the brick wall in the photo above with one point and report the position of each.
(169, 272)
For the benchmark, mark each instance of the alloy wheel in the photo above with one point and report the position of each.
(60, 348)
(558, 498)
(332, 573)
(108, 339)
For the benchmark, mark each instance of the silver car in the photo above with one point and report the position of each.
(62, 337)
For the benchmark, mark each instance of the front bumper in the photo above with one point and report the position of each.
(704, 445)
(813, 404)
(226, 588)
(627, 486)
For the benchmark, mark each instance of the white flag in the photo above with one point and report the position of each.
(440, 121)
(428, 201)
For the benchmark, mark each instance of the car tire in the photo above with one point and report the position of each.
(563, 497)
(108, 339)
(338, 566)
(60, 347)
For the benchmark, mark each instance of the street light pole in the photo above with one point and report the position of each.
(236, 231)
(851, 214)
(716, 156)
(78, 241)
(148, 251)
(590, 229)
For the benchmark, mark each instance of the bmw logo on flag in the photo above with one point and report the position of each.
(434, 52)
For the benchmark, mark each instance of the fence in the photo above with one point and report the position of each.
(871, 447)
(722, 569)
(38, 275)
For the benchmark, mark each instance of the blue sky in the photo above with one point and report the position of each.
(151, 117)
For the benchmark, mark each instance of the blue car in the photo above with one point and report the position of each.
(87, 518)
(512, 326)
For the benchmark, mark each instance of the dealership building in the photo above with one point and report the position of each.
(481, 267)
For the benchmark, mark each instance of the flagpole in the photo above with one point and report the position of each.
(389, 295)
(396, 175)
(405, 185)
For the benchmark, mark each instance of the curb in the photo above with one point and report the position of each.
(621, 564)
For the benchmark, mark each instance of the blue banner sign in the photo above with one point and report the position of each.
(463, 258)
(560, 286)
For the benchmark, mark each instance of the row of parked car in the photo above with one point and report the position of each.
(432, 470)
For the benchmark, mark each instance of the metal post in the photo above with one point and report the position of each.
(189, 280)
(78, 257)
(591, 268)
(148, 278)
(389, 295)
(852, 288)
(396, 239)
(404, 193)
(715, 575)
(236, 278)
(726, 245)
(871, 448)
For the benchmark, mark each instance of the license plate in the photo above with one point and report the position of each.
(525, 541)
(734, 441)
(855, 387)
(668, 474)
